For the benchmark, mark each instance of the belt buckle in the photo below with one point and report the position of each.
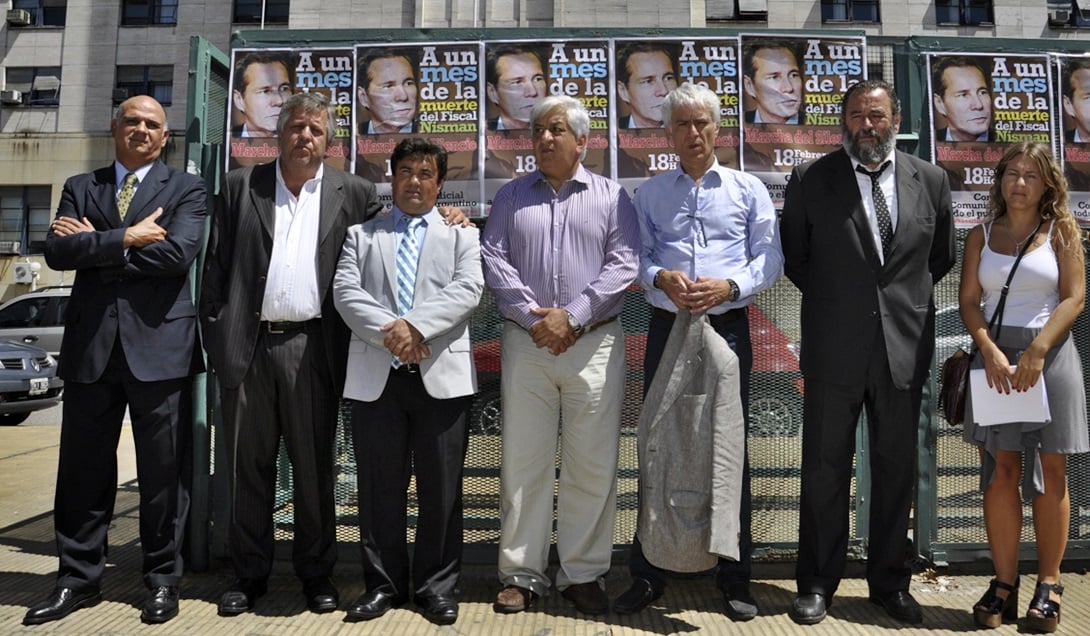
(411, 368)
(273, 330)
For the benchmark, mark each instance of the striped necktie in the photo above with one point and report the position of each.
(124, 197)
(408, 253)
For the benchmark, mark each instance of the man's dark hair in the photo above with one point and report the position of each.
(867, 86)
(751, 47)
(492, 58)
(419, 148)
(938, 83)
(380, 54)
(285, 59)
(1067, 88)
(623, 74)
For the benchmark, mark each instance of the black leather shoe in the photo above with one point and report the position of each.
(241, 597)
(808, 609)
(741, 606)
(373, 604)
(638, 596)
(161, 606)
(440, 609)
(321, 596)
(900, 605)
(63, 602)
(589, 597)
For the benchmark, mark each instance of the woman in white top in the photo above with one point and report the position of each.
(1028, 206)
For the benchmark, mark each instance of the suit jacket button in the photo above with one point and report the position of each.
(113, 313)
(257, 315)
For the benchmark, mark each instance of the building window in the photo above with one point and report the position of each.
(157, 81)
(144, 12)
(849, 11)
(736, 10)
(24, 217)
(43, 12)
(261, 12)
(964, 12)
(37, 85)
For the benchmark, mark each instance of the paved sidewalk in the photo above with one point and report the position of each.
(28, 458)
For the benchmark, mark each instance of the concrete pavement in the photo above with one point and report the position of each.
(28, 457)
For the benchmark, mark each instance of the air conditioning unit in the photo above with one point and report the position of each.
(25, 273)
(119, 95)
(9, 247)
(18, 17)
(1059, 17)
(11, 97)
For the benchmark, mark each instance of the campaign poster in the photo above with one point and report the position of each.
(792, 92)
(263, 79)
(520, 73)
(646, 70)
(980, 103)
(431, 91)
(1073, 88)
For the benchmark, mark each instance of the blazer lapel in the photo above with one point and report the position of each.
(263, 196)
(909, 191)
(387, 246)
(105, 197)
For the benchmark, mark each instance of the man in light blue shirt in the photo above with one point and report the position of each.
(709, 245)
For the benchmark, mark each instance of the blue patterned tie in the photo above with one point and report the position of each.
(408, 253)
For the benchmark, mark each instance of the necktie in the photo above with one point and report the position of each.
(881, 208)
(408, 253)
(124, 198)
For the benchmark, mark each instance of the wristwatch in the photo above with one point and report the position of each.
(734, 291)
(576, 328)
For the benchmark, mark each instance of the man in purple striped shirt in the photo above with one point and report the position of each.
(560, 248)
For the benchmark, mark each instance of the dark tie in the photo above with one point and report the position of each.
(881, 208)
(124, 197)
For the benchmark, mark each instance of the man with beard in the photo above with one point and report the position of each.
(866, 232)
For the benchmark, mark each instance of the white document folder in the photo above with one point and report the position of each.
(991, 407)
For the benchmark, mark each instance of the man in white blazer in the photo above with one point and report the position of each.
(406, 286)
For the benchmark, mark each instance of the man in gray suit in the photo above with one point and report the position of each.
(866, 232)
(277, 345)
(407, 285)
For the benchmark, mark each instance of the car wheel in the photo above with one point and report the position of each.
(486, 416)
(13, 419)
(773, 415)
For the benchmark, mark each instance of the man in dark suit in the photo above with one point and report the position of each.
(130, 231)
(278, 347)
(1075, 93)
(865, 250)
(409, 416)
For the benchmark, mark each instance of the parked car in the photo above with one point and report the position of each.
(28, 381)
(36, 318)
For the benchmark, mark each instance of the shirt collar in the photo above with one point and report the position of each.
(582, 175)
(120, 172)
(313, 181)
(428, 217)
(891, 158)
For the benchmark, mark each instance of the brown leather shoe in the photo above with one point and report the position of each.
(513, 599)
(589, 597)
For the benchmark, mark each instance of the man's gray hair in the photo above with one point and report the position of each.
(309, 103)
(574, 112)
(693, 96)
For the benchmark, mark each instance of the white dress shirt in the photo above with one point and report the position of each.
(291, 291)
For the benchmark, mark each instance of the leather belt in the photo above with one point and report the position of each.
(405, 370)
(273, 327)
(728, 316)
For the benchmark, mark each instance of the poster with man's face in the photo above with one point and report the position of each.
(414, 90)
(263, 79)
(980, 102)
(1073, 88)
(792, 90)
